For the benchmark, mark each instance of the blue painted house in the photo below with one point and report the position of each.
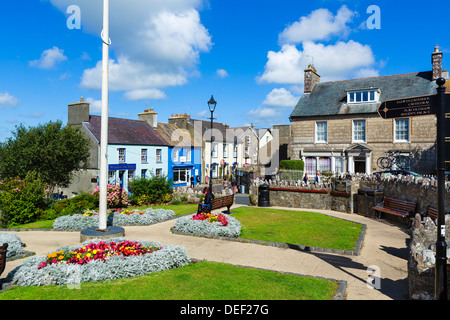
(184, 159)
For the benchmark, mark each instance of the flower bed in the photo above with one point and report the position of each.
(208, 225)
(113, 259)
(114, 218)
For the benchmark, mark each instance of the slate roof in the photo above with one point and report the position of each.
(126, 131)
(330, 98)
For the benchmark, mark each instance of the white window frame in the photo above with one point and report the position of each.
(354, 139)
(352, 96)
(158, 155)
(144, 153)
(317, 132)
(175, 154)
(214, 150)
(225, 150)
(235, 151)
(158, 172)
(396, 122)
(177, 173)
(187, 152)
(122, 155)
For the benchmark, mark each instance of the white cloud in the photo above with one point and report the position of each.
(7, 100)
(263, 113)
(281, 98)
(333, 62)
(144, 94)
(222, 73)
(49, 58)
(157, 43)
(319, 25)
(95, 105)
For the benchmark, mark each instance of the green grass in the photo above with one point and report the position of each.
(297, 227)
(198, 281)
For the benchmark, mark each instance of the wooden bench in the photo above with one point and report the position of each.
(396, 207)
(3, 250)
(221, 202)
(432, 213)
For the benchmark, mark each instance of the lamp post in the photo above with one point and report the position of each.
(212, 106)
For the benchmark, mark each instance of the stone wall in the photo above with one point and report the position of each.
(422, 258)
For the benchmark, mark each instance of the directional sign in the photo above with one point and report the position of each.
(408, 107)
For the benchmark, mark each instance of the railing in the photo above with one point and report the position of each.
(293, 175)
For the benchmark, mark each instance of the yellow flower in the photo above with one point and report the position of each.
(88, 255)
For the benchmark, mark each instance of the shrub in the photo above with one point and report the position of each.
(292, 164)
(15, 245)
(146, 191)
(21, 201)
(116, 196)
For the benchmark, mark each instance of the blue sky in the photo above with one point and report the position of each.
(172, 55)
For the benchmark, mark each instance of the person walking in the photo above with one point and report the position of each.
(234, 185)
(198, 180)
(192, 181)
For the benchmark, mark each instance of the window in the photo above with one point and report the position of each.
(235, 151)
(339, 165)
(311, 166)
(401, 130)
(111, 177)
(130, 175)
(121, 154)
(225, 150)
(214, 150)
(187, 152)
(362, 96)
(359, 130)
(143, 155)
(321, 131)
(143, 173)
(158, 155)
(158, 173)
(175, 154)
(215, 171)
(324, 164)
(180, 175)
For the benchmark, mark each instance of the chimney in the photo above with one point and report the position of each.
(78, 113)
(436, 60)
(150, 116)
(181, 120)
(311, 78)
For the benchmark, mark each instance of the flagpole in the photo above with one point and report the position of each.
(104, 121)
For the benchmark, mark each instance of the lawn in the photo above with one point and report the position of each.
(196, 281)
(297, 227)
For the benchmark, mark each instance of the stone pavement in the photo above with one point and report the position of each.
(385, 246)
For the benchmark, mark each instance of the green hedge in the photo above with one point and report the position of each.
(292, 165)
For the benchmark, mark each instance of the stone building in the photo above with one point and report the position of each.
(335, 125)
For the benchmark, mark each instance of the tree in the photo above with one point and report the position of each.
(50, 151)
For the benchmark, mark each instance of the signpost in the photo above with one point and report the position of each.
(423, 106)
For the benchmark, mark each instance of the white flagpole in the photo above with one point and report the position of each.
(104, 121)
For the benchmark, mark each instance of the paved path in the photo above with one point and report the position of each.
(384, 246)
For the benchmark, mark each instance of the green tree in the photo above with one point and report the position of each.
(50, 151)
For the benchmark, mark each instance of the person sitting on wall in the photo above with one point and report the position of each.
(206, 205)
(305, 178)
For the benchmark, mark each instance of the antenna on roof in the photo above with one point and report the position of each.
(312, 59)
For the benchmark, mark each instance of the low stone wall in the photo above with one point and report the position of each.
(422, 258)
(301, 197)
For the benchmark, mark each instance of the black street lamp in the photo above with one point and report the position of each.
(212, 106)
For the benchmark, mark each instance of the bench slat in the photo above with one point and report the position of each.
(3, 250)
(396, 207)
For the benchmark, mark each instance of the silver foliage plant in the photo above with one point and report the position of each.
(80, 222)
(185, 224)
(15, 245)
(116, 267)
